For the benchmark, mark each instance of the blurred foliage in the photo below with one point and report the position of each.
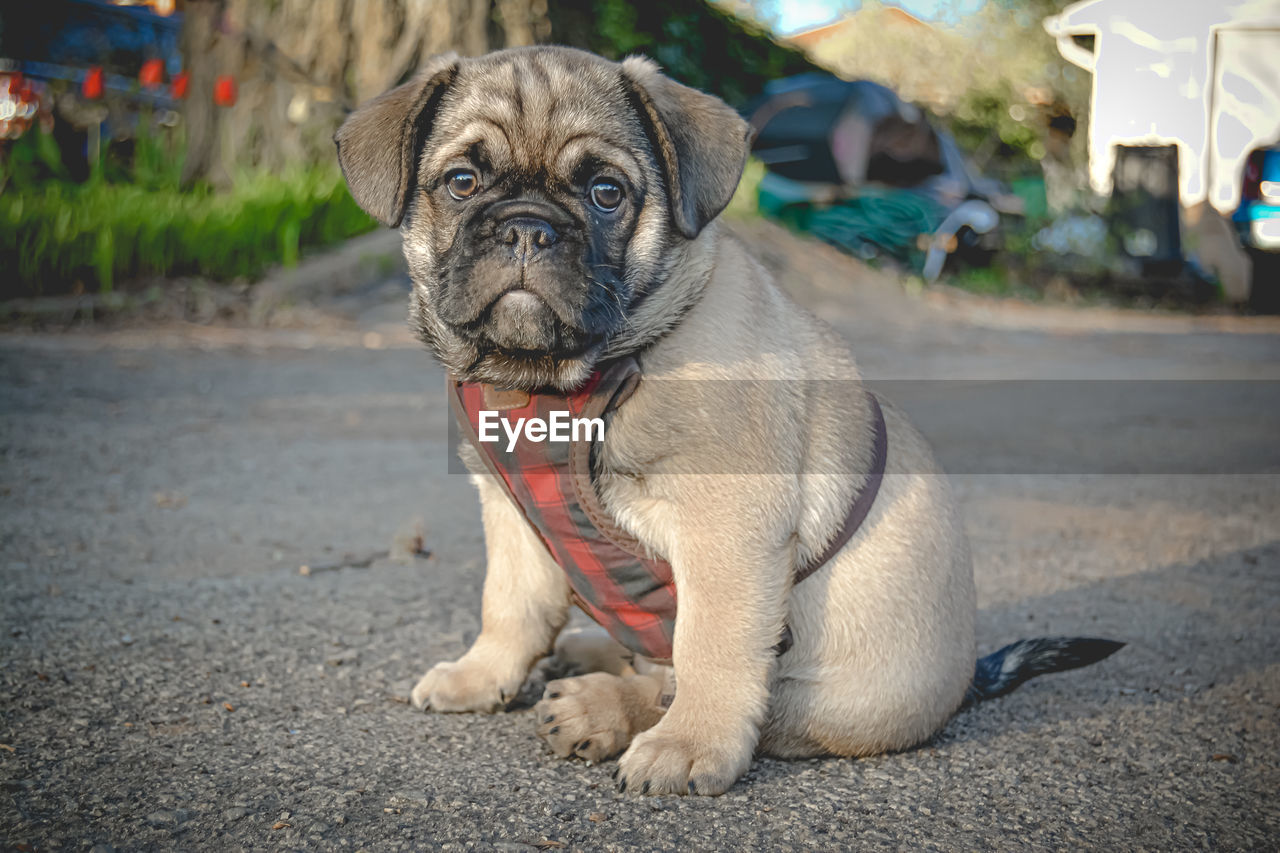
(30, 160)
(99, 233)
(154, 161)
(987, 281)
(746, 201)
(995, 77)
(996, 114)
(698, 44)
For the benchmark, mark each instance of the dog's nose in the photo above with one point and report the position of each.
(528, 235)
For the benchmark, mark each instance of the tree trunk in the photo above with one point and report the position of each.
(199, 39)
(299, 65)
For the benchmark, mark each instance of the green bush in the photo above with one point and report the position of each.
(95, 235)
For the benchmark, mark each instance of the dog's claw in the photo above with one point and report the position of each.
(622, 786)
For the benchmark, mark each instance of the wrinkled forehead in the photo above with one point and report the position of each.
(535, 112)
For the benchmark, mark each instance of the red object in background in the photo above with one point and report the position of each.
(152, 74)
(93, 84)
(1251, 189)
(224, 91)
(20, 105)
(178, 87)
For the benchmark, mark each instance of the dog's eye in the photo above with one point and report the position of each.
(606, 195)
(463, 184)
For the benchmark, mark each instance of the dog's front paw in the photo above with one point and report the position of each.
(670, 759)
(464, 685)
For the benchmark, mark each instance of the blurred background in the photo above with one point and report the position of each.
(1110, 151)
(229, 546)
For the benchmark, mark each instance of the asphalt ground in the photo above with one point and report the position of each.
(170, 679)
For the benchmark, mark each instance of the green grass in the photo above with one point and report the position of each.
(988, 281)
(744, 204)
(59, 237)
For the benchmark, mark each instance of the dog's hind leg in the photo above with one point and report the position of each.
(582, 650)
(595, 714)
(578, 651)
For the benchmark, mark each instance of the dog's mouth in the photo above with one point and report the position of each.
(522, 324)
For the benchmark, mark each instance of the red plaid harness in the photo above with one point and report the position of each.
(630, 592)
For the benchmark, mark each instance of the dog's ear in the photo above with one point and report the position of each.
(379, 143)
(700, 142)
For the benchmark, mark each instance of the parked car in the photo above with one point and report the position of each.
(1257, 221)
(62, 60)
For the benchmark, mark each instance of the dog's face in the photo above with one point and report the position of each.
(543, 193)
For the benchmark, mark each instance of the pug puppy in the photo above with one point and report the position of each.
(558, 213)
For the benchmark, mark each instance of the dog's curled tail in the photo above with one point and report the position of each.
(1002, 671)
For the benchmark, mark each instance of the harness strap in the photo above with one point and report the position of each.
(617, 384)
(861, 506)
